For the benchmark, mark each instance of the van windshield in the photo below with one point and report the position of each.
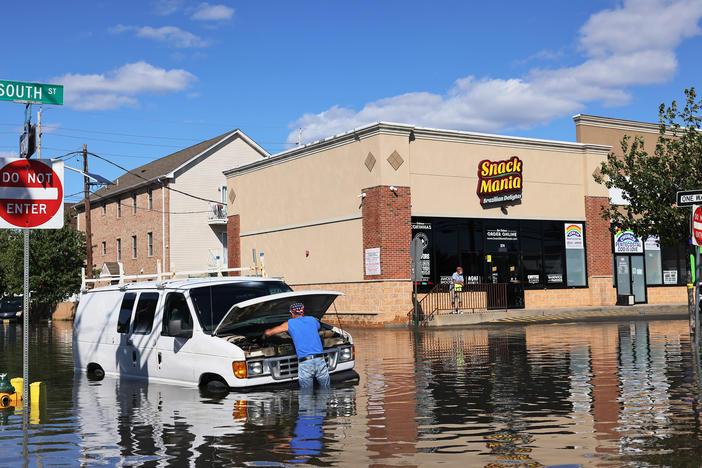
(212, 302)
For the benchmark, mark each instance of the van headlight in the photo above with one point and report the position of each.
(255, 368)
(345, 353)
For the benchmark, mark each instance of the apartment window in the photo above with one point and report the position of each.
(151, 198)
(104, 247)
(150, 238)
(119, 250)
(119, 208)
(134, 203)
(104, 208)
(224, 194)
(134, 247)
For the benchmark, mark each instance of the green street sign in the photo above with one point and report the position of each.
(36, 93)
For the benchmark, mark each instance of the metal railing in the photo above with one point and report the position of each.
(218, 212)
(473, 298)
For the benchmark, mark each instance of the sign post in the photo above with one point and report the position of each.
(416, 251)
(31, 197)
(693, 198)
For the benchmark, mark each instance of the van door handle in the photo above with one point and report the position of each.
(159, 358)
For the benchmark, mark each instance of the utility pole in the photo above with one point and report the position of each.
(88, 232)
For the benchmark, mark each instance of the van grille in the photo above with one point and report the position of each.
(286, 367)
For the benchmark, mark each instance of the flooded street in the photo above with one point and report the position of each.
(600, 394)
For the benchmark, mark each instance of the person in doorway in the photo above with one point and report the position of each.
(456, 288)
(310, 353)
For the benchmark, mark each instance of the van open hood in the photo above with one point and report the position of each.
(275, 307)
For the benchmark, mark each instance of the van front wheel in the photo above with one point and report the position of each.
(95, 372)
(213, 383)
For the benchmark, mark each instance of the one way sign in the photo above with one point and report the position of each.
(689, 198)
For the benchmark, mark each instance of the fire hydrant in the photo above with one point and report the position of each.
(8, 396)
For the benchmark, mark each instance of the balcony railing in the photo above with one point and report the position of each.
(217, 213)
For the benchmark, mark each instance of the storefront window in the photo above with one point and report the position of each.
(654, 272)
(669, 260)
(446, 249)
(575, 262)
(553, 248)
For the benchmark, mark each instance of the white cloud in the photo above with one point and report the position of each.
(119, 87)
(172, 35)
(167, 7)
(631, 45)
(207, 12)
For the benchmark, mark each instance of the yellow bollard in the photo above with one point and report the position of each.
(37, 395)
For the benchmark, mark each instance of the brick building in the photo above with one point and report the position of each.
(340, 214)
(171, 210)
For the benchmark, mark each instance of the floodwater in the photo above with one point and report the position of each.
(580, 394)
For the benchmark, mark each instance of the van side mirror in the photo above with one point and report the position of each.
(179, 329)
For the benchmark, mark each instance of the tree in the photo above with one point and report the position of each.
(55, 259)
(649, 182)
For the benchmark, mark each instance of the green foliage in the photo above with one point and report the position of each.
(649, 182)
(55, 259)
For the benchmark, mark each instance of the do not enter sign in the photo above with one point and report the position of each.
(31, 193)
(697, 225)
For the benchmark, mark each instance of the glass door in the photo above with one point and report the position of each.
(638, 279)
(506, 268)
(631, 277)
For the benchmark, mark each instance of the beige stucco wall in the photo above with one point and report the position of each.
(335, 252)
(319, 186)
(444, 177)
(310, 203)
(613, 136)
(192, 238)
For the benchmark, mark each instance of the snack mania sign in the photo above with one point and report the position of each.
(500, 182)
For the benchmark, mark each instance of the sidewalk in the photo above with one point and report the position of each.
(641, 311)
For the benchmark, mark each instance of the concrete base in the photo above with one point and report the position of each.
(568, 314)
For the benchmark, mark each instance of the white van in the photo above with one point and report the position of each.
(201, 331)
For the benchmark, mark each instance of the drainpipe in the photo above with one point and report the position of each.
(163, 224)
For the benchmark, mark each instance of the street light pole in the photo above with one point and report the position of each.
(88, 232)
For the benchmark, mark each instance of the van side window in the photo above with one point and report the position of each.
(125, 313)
(144, 315)
(176, 315)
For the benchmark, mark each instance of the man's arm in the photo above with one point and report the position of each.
(283, 327)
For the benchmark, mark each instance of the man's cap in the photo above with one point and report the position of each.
(297, 308)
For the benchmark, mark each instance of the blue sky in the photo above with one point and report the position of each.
(146, 78)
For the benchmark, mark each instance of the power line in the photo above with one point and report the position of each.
(149, 180)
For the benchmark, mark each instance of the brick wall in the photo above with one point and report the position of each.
(367, 303)
(598, 293)
(234, 243)
(109, 227)
(387, 224)
(597, 238)
(667, 295)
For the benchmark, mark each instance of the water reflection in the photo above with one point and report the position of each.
(538, 395)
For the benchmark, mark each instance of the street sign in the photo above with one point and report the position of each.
(28, 142)
(36, 93)
(689, 198)
(697, 225)
(31, 193)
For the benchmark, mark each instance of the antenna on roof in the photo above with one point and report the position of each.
(299, 136)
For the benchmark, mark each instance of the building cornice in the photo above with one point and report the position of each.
(398, 129)
(618, 124)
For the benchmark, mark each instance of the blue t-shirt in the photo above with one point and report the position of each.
(304, 332)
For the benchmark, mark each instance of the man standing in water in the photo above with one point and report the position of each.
(304, 331)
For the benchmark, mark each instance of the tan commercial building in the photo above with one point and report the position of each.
(341, 214)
